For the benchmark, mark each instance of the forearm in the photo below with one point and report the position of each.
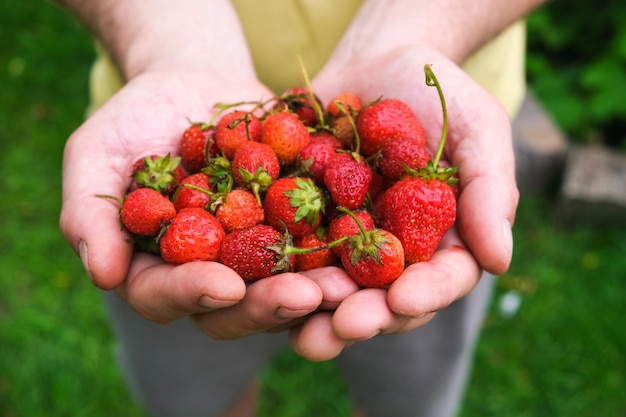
(158, 34)
(457, 28)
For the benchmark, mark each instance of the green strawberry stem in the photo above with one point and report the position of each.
(431, 81)
(366, 236)
(293, 250)
(307, 83)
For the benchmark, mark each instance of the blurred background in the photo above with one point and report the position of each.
(552, 343)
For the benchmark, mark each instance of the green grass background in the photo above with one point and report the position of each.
(562, 354)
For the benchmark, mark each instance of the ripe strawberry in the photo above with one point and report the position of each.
(347, 178)
(313, 159)
(193, 235)
(320, 257)
(298, 101)
(256, 252)
(327, 137)
(344, 225)
(399, 153)
(255, 167)
(196, 146)
(161, 173)
(235, 128)
(197, 196)
(349, 102)
(286, 135)
(238, 209)
(386, 119)
(295, 203)
(373, 258)
(145, 211)
(421, 207)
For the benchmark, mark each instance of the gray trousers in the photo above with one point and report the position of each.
(176, 371)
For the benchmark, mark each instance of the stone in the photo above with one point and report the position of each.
(540, 148)
(593, 190)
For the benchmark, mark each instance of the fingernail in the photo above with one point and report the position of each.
(285, 313)
(83, 252)
(507, 235)
(211, 303)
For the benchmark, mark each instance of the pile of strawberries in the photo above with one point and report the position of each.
(291, 185)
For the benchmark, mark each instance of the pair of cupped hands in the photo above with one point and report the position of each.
(323, 310)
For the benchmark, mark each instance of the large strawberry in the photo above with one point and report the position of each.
(257, 252)
(386, 119)
(286, 135)
(193, 235)
(255, 167)
(421, 207)
(235, 128)
(145, 211)
(372, 258)
(347, 178)
(197, 145)
(295, 203)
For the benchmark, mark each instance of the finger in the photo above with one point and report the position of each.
(427, 287)
(269, 303)
(316, 340)
(335, 284)
(162, 292)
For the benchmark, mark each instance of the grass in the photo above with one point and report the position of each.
(562, 354)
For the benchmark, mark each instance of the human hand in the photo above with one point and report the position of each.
(479, 144)
(146, 117)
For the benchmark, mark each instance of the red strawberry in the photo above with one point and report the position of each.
(235, 128)
(373, 258)
(286, 135)
(161, 173)
(196, 146)
(199, 195)
(419, 212)
(344, 225)
(295, 203)
(313, 159)
(255, 167)
(256, 253)
(399, 153)
(193, 235)
(421, 207)
(298, 101)
(320, 257)
(386, 119)
(145, 211)
(347, 178)
(348, 101)
(327, 137)
(238, 209)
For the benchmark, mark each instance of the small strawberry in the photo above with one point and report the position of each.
(343, 130)
(372, 258)
(286, 135)
(401, 153)
(347, 178)
(193, 235)
(257, 252)
(255, 167)
(196, 196)
(327, 137)
(145, 211)
(313, 159)
(235, 128)
(347, 100)
(386, 119)
(196, 146)
(238, 209)
(298, 101)
(295, 203)
(421, 207)
(320, 257)
(161, 173)
(344, 225)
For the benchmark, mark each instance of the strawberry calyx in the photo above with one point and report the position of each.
(365, 244)
(258, 182)
(157, 173)
(218, 169)
(308, 199)
(283, 254)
